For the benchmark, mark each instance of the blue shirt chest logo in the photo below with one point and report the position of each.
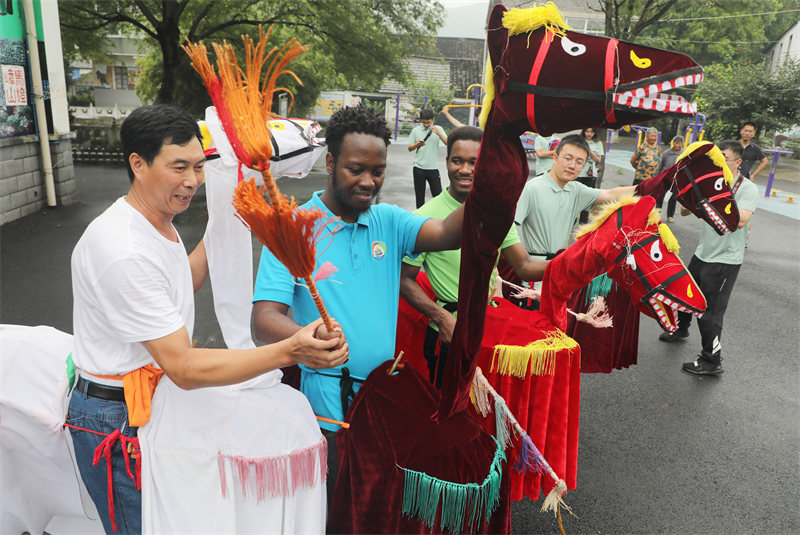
(378, 250)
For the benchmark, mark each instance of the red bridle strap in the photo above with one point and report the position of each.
(611, 54)
(534, 77)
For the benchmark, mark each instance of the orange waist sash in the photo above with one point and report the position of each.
(138, 386)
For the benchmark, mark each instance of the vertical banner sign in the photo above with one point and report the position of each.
(14, 85)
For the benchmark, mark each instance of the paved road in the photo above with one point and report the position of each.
(661, 451)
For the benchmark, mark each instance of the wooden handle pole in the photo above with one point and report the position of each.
(312, 288)
(276, 198)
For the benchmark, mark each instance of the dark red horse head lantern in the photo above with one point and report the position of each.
(547, 79)
(703, 182)
(627, 240)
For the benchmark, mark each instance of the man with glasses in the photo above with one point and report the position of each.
(715, 266)
(551, 201)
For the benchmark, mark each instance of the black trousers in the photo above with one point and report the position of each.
(436, 353)
(671, 203)
(716, 282)
(436, 356)
(333, 463)
(422, 176)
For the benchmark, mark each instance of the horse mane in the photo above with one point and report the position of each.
(604, 212)
(518, 21)
(653, 218)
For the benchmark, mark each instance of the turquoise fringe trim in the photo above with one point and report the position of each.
(422, 494)
(600, 286)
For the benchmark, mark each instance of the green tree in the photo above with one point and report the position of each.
(439, 94)
(626, 19)
(735, 93)
(360, 41)
(723, 32)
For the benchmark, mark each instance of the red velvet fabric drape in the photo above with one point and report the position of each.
(547, 406)
(609, 349)
(392, 427)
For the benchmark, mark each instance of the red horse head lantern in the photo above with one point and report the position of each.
(548, 79)
(627, 240)
(703, 184)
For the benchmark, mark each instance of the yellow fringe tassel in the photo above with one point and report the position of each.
(540, 355)
(527, 20)
(488, 94)
(669, 239)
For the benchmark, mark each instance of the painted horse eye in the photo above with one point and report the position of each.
(572, 48)
(655, 252)
(718, 183)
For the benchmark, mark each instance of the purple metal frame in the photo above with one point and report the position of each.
(776, 154)
(397, 111)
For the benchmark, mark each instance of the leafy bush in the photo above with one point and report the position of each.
(733, 94)
(792, 143)
(81, 99)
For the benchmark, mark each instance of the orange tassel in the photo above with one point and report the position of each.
(243, 101)
(244, 107)
(289, 232)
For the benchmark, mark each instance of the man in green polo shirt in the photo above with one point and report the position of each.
(551, 201)
(424, 140)
(443, 267)
(714, 266)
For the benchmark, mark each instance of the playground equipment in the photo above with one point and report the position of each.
(408, 105)
(776, 153)
(473, 118)
(641, 135)
(696, 129)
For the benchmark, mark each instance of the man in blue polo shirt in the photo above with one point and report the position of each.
(367, 244)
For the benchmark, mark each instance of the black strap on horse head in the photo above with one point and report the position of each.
(276, 153)
(702, 201)
(650, 290)
(532, 88)
(346, 390)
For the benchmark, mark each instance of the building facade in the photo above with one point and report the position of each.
(787, 47)
(22, 172)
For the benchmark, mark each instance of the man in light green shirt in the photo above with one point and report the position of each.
(443, 267)
(424, 139)
(715, 266)
(550, 202)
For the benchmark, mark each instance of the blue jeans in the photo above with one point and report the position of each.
(105, 416)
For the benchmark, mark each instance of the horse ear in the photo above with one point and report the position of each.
(635, 216)
(640, 213)
(496, 34)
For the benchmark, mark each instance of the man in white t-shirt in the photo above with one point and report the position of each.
(133, 287)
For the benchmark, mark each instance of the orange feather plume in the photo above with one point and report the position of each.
(244, 107)
(289, 232)
(243, 101)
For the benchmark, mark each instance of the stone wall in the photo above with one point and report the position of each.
(22, 189)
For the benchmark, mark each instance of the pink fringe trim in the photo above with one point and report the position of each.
(270, 477)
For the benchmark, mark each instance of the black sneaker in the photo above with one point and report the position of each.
(673, 337)
(701, 366)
